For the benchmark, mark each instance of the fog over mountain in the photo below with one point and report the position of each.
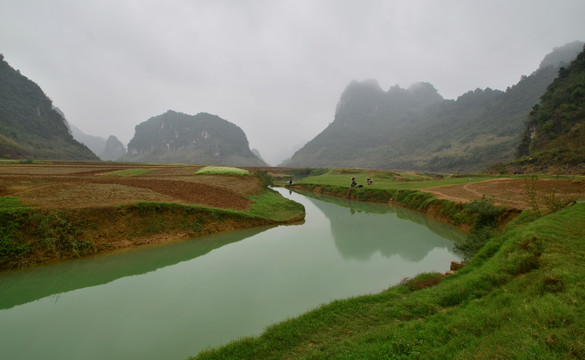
(416, 129)
(96, 144)
(274, 68)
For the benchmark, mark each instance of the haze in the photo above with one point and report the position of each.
(274, 68)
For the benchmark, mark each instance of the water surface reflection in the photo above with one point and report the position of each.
(175, 300)
(380, 228)
(22, 286)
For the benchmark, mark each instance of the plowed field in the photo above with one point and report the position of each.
(83, 185)
(514, 193)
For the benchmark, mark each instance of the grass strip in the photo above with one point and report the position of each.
(271, 205)
(222, 170)
(10, 202)
(128, 172)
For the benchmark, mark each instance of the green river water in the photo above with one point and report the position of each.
(172, 301)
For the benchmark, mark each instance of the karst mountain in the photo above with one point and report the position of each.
(417, 129)
(174, 137)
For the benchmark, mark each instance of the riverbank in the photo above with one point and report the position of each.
(443, 197)
(519, 297)
(458, 214)
(52, 212)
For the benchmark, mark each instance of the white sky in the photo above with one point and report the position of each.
(274, 68)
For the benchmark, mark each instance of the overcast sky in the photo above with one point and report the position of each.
(274, 68)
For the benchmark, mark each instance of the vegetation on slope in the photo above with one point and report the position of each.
(29, 125)
(554, 136)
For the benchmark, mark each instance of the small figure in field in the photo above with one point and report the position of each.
(353, 183)
(370, 181)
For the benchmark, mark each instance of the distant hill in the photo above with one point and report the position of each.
(554, 135)
(197, 139)
(109, 149)
(96, 144)
(257, 153)
(416, 129)
(30, 128)
(113, 149)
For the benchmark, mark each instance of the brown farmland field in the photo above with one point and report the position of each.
(518, 194)
(70, 185)
(84, 208)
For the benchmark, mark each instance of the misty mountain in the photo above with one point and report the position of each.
(109, 149)
(257, 153)
(416, 129)
(554, 135)
(197, 139)
(113, 149)
(30, 127)
(96, 144)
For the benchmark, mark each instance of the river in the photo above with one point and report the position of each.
(172, 301)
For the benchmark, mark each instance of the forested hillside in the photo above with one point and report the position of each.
(30, 128)
(197, 139)
(416, 129)
(554, 136)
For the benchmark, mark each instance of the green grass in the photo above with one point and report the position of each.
(10, 202)
(128, 172)
(520, 297)
(13, 161)
(271, 205)
(410, 181)
(222, 170)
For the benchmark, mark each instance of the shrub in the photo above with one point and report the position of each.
(484, 226)
(265, 179)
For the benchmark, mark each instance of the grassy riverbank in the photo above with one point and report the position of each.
(405, 190)
(519, 297)
(29, 235)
